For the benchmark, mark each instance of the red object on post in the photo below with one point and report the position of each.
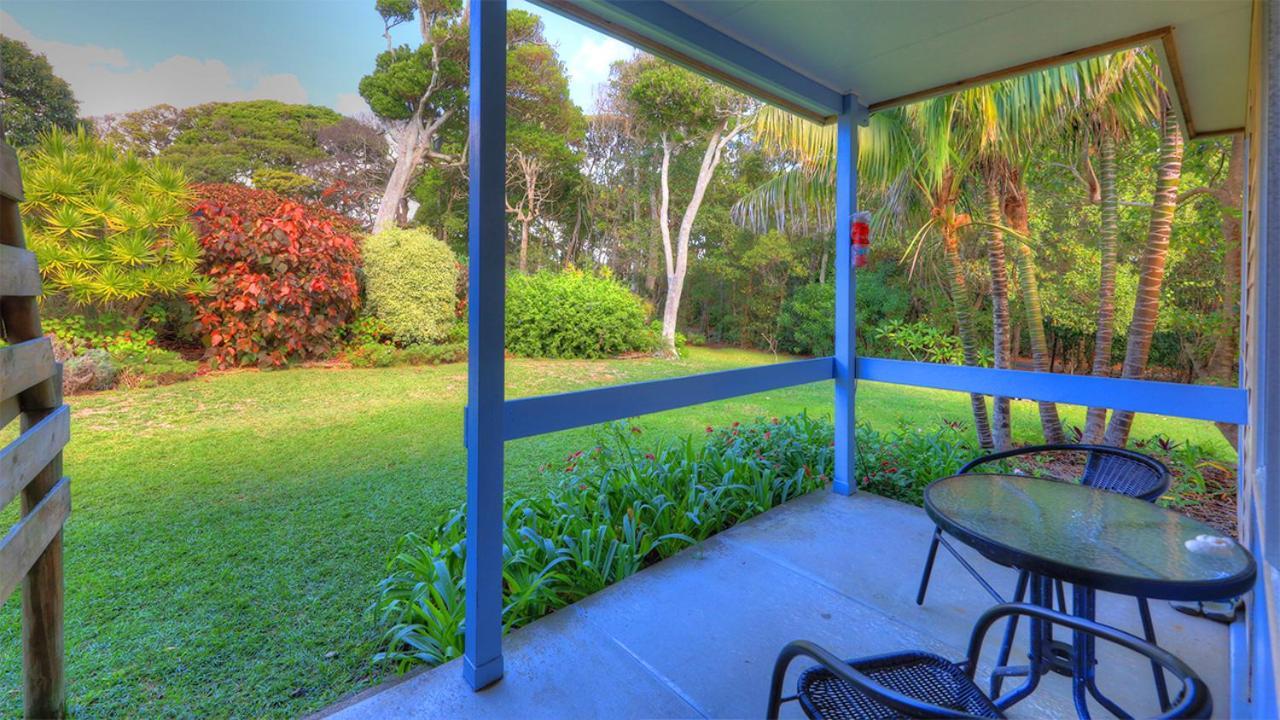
(860, 238)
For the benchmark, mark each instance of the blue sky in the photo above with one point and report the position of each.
(124, 55)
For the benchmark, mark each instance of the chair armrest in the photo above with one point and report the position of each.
(841, 669)
(1195, 701)
(1028, 450)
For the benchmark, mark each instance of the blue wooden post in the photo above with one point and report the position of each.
(846, 203)
(486, 241)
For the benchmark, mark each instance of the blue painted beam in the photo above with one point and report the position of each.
(487, 242)
(669, 32)
(1199, 402)
(526, 417)
(846, 319)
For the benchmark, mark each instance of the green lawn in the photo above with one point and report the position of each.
(227, 533)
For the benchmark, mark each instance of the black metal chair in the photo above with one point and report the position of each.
(922, 685)
(1107, 468)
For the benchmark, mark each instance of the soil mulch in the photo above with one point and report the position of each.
(1215, 506)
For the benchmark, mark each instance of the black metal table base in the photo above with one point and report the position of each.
(1076, 659)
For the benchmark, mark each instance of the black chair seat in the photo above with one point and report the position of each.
(922, 676)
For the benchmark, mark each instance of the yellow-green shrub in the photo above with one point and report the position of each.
(410, 284)
(575, 314)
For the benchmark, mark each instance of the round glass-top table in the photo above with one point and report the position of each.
(1095, 540)
(1090, 537)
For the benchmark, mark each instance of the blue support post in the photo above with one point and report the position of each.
(486, 241)
(851, 115)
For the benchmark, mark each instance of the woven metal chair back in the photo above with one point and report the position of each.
(1107, 468)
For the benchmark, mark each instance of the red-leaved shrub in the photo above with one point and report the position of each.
(283, 276)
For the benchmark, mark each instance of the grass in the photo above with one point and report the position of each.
(227, 533)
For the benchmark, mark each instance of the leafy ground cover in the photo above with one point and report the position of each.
(228, 533)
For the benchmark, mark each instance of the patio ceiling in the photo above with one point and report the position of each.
(888, 53)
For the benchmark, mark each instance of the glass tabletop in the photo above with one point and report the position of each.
(1088, 536)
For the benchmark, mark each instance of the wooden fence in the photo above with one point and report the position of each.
(31, 465)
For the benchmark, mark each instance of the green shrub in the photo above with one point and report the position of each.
(410, 284)
(110, 230)
(154, 366)
(614, 509)
(377, 355)
(808, 320)
(900, 464)
(118, 354)
(105, 332)
(574, 314)
(925, 343)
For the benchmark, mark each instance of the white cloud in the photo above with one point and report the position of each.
(105, 81)
(589, 67)
(352, 105)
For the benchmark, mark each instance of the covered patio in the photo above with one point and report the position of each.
(696, 635)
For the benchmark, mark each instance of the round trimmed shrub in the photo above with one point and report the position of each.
(574, 314)
(410, 284)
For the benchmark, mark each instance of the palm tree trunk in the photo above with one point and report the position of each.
(1146, 308)
(1001, 432)
(1222, 360)
(1015, 210)
(964, 324)
(1096, 421)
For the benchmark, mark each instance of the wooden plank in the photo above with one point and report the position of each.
(43, 642)
(9, 409)
(19, 273)
(24, 365)
(29, 537)
(34, 449)
(43, 647)
(10, 179)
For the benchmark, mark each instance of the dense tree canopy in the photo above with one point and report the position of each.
(32, 98)
(231, 142)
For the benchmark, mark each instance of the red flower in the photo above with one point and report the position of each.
(649, 456)
(736, 424)
(709, 429)
(635, 430)
(766, 434)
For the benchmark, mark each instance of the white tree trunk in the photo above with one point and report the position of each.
(408, 155)
(675, 275)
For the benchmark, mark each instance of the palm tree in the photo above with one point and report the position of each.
(1146, 308)
(1001, 345)
(1121, 95)
(1002, 125)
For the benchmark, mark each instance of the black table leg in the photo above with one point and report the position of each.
(1149, 631)
(1084, 602)
(1040, 589)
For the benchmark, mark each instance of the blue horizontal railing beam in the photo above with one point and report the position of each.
(1199, 402)
(525, 417)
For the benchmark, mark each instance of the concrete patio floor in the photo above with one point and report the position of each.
(696, 635)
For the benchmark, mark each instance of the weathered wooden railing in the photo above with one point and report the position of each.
(31, 465)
